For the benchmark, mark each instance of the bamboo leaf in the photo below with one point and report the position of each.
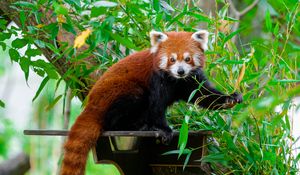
(25, 63)
(14, 55)
(192, 95)
(183, 136)
(240, 77)
(104, 4)
(19, 43)
(185, 151)
(41, 87)
(26, 4)
(268, 21)
(22, 18)
(52, 104)
(60, 9)
(186, 161)
(231, 35)
(213, 158)
(124, 41)
(156, 5)
(2, 104)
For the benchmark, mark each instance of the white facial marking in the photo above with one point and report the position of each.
(180, 65)
(153, 49)
(196, 59)
(163, 62)
(155, 39)
(201, 36)
(174, 55)
(185, 55)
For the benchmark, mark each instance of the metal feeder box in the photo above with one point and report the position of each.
(141, 152)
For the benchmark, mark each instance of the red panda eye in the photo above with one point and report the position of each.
(187, 59)
(172, 59)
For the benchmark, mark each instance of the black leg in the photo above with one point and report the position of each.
(209, 97)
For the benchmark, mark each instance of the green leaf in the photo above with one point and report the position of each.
(233, 62)
(97, 11)
(229, 140)
(42, 85)
(22, 18)
(53, 48)
(25, 63)
(183, 136)
(283, 81)
(200, 17)
(2, 104)
(26, 4)
(3, 24)
(69, 28)
(14, 55)
(41, 2)
(186, 151)
(276, 29)
(124, 41)
(51, 72)
(3, 45)
(33, 52)
(4, 36)
(52, 29)
(186, 161)
(47, 67)
(54, 32)
(52, 104)
(60, 9)
(268, 21)
(231, 35)
(213, 158)
(192, 95)
(104, 4)
(39, 71)
(40, 44)
(19, 43)
(156, 5)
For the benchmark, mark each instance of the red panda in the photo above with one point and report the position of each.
(134, 93)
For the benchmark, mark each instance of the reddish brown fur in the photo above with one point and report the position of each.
(128, 76)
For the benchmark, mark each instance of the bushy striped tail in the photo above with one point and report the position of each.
(82, 137)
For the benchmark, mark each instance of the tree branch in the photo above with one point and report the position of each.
(61, 64)
(17, 165)
(247, 9)
(238, 14)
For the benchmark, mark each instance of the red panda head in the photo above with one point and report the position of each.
(179, 52)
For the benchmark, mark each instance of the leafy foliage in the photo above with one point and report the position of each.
(263, 64)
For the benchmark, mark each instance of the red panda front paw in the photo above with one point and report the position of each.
(166, 136)
(165, 132)
(232, 100)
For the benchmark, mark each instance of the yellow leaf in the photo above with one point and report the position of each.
(39, 26)
(241, 76)
(80, 40)
(61, 19)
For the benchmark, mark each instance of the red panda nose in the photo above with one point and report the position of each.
(180, 71)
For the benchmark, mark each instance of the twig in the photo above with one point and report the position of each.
(247, 9)
(238, 14)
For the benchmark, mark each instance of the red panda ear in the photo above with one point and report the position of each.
(156, 38)
(201, 36)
